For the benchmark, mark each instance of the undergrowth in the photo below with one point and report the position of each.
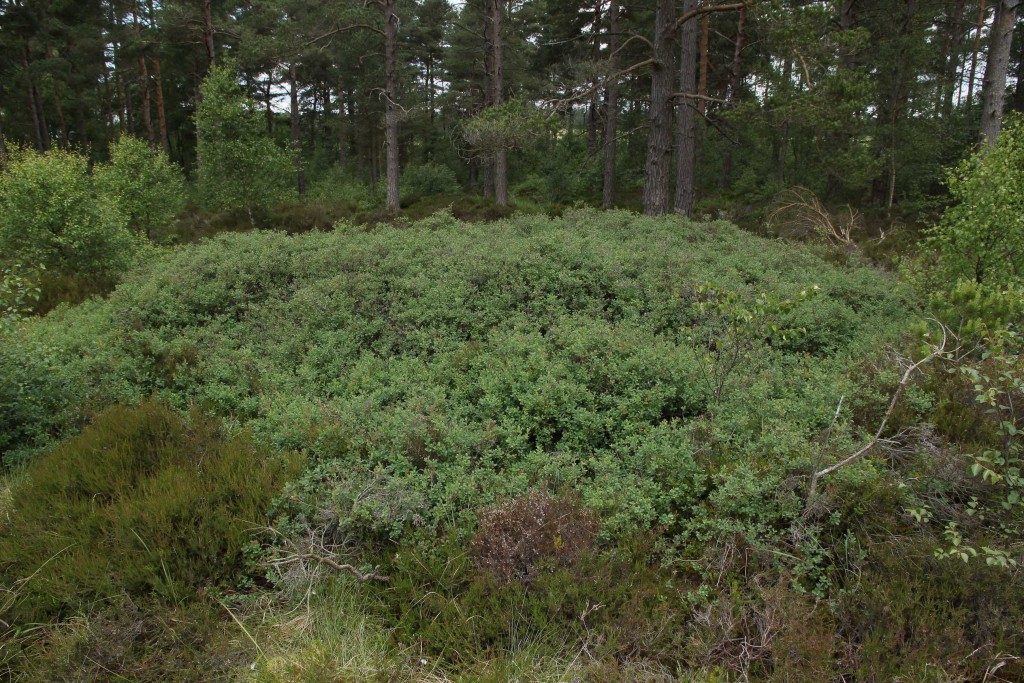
(572, 448)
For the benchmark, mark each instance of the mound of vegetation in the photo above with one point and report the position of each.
(595, 432)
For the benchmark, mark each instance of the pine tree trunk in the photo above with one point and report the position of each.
(37, 131)
(735, 84)
(488, 93)
(107, 98)
(147, 115)
(951, 57)
(783, 146)
(595, 99)
(659, 137)
(686, 122)
(974, 57)
(993, 92)
(611, 114)
(61, 121)
(1018, 93)
(391, 109)
(43, 125)
(81, 123)
(34, 106)
(342, 127)
(208, 37)
(296, 130)
(158, 83)
(498, 97)
(702, 83)
(161, 107)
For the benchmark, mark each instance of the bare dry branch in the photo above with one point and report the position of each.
(337, 566)
(878, 439)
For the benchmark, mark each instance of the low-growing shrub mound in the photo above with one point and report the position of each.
(677, 382)
(465, 364)
(141, 503)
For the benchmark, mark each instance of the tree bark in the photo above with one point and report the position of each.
(33, 111)
(296, 130)
(498, 97)
(342, 127)
(61, 120)
(611, 114)
(487, 165)
(44, 126)
(147, 114)
(595, 99)
(974, 57)
(208, 38)
(993, 93)
(686, 122)
(783, 146)
(391, 108)
(735, 85)
(161, 107)
(1018, 93)
(39, 128)
(702, 83)
(954, 36)
(658, 165)
(81, 123)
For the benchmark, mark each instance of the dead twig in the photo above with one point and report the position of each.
(337, 566)
(800, 210)
(867, 448)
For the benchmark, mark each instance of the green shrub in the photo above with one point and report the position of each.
(140, 640)
(240, 167)
(19, 291)
(146, 187)
(50, 215)
(981, 237)
(469, 362)
(333, 186)
(140, 503)
(425, 180)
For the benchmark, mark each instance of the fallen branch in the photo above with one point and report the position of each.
(370, 576)
(939, 350)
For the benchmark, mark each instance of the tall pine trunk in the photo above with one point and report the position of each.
(391, 108)
(993, 93)
(702, 81)
(658, 165)
(61, 120)
(208, 38)
(158, 91)
(146, 111)
(1018, 93)
(296, 130)
(974, 56)
(611, 114)
(161, 107)
(735, 84)
(342, 127)
(498, 97)
(686, 122)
